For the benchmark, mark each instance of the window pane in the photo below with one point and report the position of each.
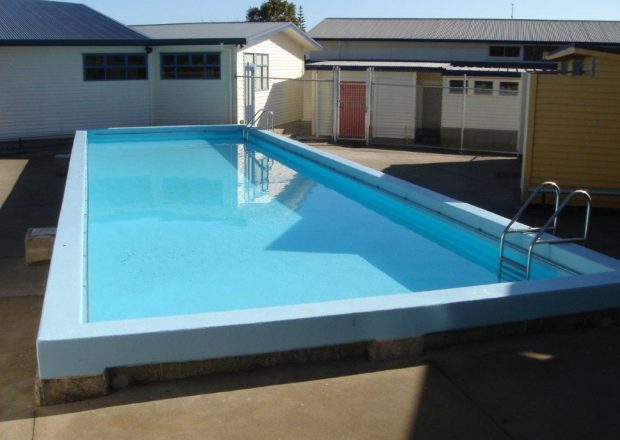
(94, 74)
(508, 88)
(194, 72)
(114, 73)
(136, 73)
(212, 73)
(456, 86)
(94, 60)
(116, 60)
(265, 85)
(213, 59)
(483, 87)
(248, 58)
(136, 60)
(496, 51)
(167, 60)
(198, 60)
(512, 51)
(182, 60)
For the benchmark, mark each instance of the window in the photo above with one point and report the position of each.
(483, 87)
(261, 69)
(456, 86)
(508, 88)
(505, 51)
(114, 67)
(190, 66)
(578, 66)
(536, 53)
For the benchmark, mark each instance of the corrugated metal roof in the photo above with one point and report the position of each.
(31, 21)
(207, 31)
(552, 31)
(222, 32)
(445, 68)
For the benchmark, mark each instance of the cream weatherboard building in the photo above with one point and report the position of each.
(456, 83)
(65, 67)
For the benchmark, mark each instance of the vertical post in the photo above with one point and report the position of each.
(463, 111)
(369, 78)
(336, 104)
(250, 92)
(315, 103)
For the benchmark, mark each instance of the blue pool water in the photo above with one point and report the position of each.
(199, 223)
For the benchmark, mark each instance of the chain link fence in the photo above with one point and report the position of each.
(479, 113)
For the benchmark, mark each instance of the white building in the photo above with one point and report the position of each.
(65, 67)
(452, 82)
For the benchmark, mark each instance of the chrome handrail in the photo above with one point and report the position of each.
(553, 219)
(507, 230)
(254, 119)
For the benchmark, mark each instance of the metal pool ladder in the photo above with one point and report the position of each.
(510, 268)
(254, 119)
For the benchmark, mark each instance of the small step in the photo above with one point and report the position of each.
(39, 243)
(514, 264)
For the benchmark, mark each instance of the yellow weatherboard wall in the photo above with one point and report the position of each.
(573, 134)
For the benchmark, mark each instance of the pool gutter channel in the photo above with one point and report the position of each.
(68, 346)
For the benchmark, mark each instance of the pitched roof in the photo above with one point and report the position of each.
(441, 29)
(221, 32)
(30, 22)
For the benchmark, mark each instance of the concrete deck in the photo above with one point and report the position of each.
(554, 385)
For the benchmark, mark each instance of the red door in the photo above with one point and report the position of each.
(352, 110)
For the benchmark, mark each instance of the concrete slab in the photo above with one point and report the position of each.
(313, 401)
(560, 385)
(18, 329)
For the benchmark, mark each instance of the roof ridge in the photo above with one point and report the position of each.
(469, 19)
(212, 22)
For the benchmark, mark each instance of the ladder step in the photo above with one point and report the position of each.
(514, 264)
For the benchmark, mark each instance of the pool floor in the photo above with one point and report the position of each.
(205, 225)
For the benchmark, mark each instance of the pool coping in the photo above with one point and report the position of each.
(69, 347)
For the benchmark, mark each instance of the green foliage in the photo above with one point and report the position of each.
(301, 18)
(274, 10)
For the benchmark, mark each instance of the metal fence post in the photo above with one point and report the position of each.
(336, 104)
(463, 110)
(369, 78)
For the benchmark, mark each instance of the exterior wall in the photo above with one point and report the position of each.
(394, 105)
(574, 130)
(285, 96)
(43, 93)
(491, 121)
(402, 51)
(192, 101)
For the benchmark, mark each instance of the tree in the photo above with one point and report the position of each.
(301, 19)
(274, 10)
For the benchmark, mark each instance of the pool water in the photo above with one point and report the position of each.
(202, 223)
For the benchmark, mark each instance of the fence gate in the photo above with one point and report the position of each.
(352, 110)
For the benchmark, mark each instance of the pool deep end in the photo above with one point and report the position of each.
(74, 354)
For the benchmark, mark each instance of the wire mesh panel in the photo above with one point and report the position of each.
(352, 110)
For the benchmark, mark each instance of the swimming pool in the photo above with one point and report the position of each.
(186, 243)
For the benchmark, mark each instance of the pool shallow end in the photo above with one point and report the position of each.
(68, 346)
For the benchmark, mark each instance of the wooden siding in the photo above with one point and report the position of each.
(43, 93)
(485, 112)
(286, 64)
(191, 101)
(574, 130)
(394, 105)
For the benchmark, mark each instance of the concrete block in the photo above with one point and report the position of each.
(39, 243)
(61, 164)
(394, 349)
(70, 389)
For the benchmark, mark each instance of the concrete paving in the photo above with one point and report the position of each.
(557, 385)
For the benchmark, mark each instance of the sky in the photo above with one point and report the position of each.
(175, 11)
